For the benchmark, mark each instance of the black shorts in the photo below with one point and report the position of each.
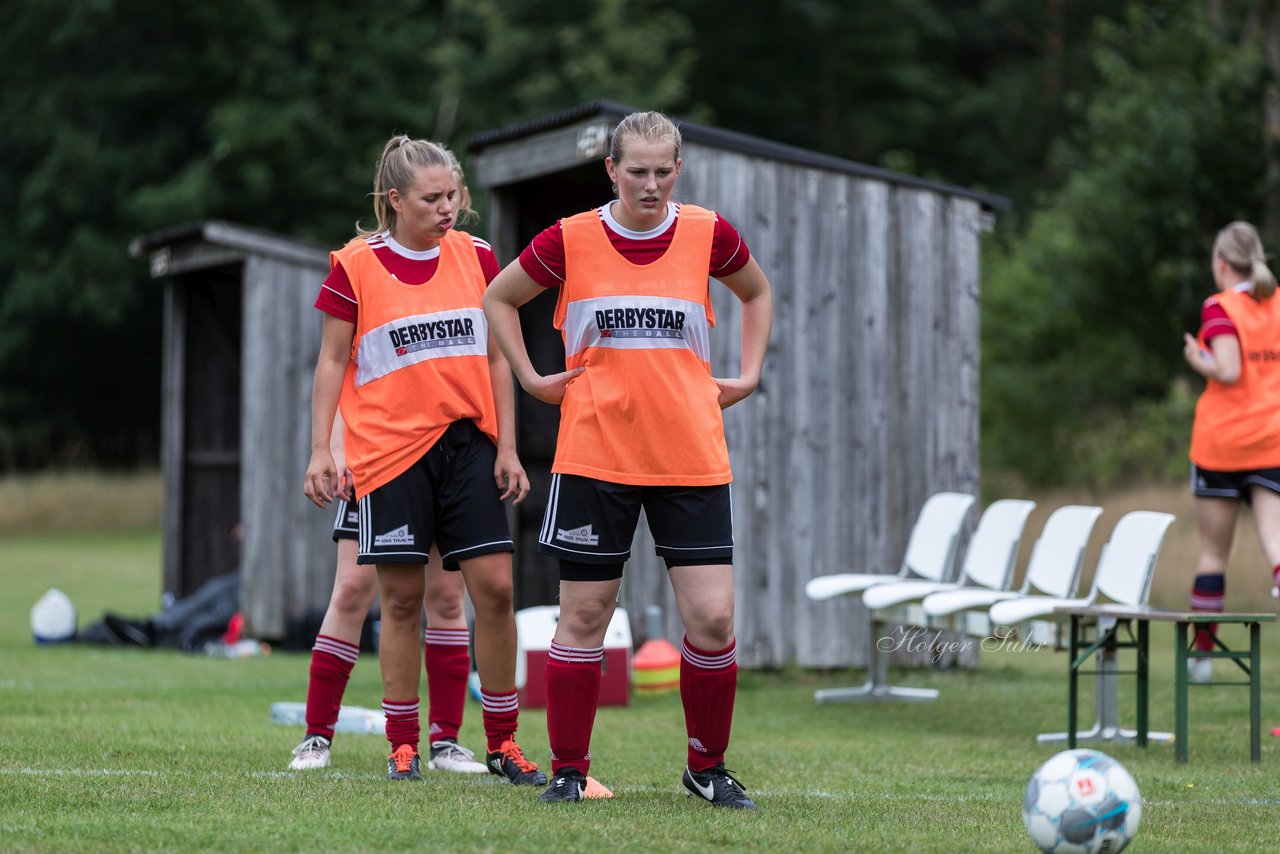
(592, 521)
(1232, 484)
(346, 522)
(448, 496)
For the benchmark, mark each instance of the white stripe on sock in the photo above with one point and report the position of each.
(709, 662)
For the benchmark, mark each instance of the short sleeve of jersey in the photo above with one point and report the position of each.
(488, 261)
(729, 252)
(543, 258)
(338, 298)
(1214, 321)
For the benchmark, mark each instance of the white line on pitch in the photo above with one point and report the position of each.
(806, 793)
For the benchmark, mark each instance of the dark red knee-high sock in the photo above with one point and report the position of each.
(331, 663)
(708, 685)
(1208, 592)
(501, 715)
(448, 665)
(402, 721)
(1275, 578)
(573, 693)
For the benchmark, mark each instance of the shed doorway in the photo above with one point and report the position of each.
(210, 513)
(537, 204)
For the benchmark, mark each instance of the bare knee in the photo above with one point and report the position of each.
(353, 594)
(443, 607)
(489, 583)
(492, 595)
(586, 621)
(710, 626)
(402, 594)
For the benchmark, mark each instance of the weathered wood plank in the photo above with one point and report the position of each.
(172, 408)
(265, 573)
(507, 163)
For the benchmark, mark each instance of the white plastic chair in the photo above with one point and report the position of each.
(1123, 577)
(930, 550)
(930, 556)
(988, 562)
(1052, 570)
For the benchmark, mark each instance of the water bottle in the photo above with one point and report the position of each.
(350, 718)
(240, 649)
(53, 618)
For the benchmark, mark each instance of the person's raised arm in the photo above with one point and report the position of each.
(1221, 363)
(751, 287)
(322, 480)
(512, 288)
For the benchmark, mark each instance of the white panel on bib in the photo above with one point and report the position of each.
(637, 323)
(410, 340)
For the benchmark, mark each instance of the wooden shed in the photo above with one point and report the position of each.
(240, 344)
(869, 398)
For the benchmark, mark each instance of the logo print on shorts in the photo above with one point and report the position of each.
(583, 536)
(399, 537)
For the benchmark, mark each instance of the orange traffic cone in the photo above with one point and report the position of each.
(656, 666)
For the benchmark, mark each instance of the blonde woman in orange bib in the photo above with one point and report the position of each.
(428, 404)
(1235, 439)
(640, 426)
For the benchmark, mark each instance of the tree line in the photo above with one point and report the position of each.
(1126, 134)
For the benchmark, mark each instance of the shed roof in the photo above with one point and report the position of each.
(224, 242)
(733, 141)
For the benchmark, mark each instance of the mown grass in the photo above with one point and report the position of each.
(105, 749)
(74, 502)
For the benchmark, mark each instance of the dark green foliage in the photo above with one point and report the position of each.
(1125, 133)
(1084, 312)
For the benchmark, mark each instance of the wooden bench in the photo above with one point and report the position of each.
(1106, 622)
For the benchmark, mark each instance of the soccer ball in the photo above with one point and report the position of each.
(1081, 801)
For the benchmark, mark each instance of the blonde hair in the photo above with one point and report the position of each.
(1240, 246)
(398, 166)
(466, 213)
(649, 126)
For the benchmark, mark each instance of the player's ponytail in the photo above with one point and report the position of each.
(1240, 246)
(401, 158)
(1264, 281)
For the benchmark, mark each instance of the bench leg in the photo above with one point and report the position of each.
(877, 686)
(1180, 692)
(1106, 726)
(1143, 647)
(1255, 693)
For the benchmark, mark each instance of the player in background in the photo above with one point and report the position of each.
(1235, 438)
(640, 425)
(429, 413)
(337, 647)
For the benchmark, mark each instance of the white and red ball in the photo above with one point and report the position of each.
(1082, 801)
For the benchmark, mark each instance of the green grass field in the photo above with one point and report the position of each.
(139, 750)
